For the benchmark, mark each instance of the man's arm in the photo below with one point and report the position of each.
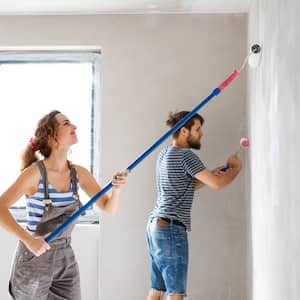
(218, 180)
(217, 171)
(199, 184)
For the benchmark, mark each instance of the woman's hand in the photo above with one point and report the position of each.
(36, 245)
(119, 179)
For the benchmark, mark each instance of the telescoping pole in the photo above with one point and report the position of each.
(133, 165)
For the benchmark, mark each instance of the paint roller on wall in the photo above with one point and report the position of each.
(255, 49)
(244, 144)
(253, 58)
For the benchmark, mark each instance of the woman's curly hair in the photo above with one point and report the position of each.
(46, 128)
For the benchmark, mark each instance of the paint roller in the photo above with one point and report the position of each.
(255, 49)
(244, 144)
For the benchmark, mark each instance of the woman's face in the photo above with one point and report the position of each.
(66, 131)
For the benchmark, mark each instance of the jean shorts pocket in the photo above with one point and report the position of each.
(161, 233)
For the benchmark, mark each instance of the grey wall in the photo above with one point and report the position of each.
(274, 109)
(153, 64)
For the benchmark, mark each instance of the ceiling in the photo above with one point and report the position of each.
(51, 7)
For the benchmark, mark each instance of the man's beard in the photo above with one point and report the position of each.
(193, 143)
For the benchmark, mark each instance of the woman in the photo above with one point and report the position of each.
(40, 270)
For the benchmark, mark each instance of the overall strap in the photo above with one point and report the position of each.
(43, 172)
(73, 175)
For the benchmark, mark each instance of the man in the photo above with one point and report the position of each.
(179, 173)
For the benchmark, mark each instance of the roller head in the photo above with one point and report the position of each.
(255, 56)
(244, 143)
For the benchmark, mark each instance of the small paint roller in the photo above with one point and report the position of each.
(244, 144)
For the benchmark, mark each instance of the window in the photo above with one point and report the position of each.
(34, 83)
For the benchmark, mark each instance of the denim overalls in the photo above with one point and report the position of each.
(54, 274)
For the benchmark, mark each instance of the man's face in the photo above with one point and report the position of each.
(194, 136)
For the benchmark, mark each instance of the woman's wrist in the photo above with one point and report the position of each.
(26, 237)
(116, 190)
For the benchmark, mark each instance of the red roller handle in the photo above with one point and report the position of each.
(226, 82)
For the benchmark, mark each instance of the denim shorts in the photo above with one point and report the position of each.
(168, 249)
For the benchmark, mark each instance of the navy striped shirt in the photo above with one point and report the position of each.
(175, 171)
(36, 205)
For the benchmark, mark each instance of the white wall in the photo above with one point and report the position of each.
(153, 64)
(274, 110)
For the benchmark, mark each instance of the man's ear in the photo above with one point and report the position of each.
(183, 131)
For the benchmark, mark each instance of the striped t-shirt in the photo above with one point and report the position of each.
(35, 204)
(175, 183)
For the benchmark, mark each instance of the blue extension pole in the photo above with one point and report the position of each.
(178, 125)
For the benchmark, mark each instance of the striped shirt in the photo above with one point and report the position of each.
(35, 204)
(175, 171)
